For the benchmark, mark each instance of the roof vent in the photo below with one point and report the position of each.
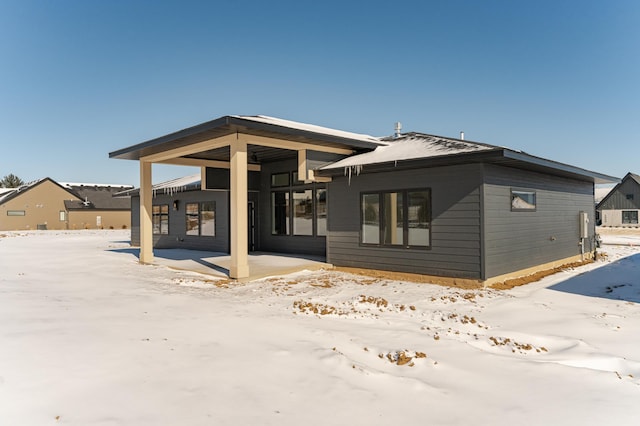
(398, 128)
(461, 135)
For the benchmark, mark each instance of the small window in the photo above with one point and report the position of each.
(629, 217)
(15, 213)
(280, 179)
(201, 219)
(523, 200)
(629, 196)
(63, 216)
(160, 218)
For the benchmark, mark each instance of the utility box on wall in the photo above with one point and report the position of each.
(584, 224)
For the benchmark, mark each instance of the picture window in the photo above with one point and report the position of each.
(396, 218)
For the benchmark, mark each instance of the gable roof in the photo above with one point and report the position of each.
(15, 192)
(628, 177)
(411, 150)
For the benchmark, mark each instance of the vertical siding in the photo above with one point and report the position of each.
(515, 240)
(455, 242)
(617, 200)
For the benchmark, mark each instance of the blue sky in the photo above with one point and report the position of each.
(78, 79)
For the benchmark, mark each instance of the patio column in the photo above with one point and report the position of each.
(239, 217)
(146, 224)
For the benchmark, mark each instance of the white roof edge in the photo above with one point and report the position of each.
(311, 128)
(113, 185)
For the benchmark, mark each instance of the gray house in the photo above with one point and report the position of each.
(621, 206)
(413, 202)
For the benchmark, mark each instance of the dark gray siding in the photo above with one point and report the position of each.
(515, 240)
(282, 243)
(177, 221)
(618, 200)
(455, 226)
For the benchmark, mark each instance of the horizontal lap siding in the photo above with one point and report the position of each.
(517, 240)
(455, 226)
(177, 237)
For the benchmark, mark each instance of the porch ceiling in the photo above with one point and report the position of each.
(256, 154)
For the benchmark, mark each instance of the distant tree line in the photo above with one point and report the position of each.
(11, 181)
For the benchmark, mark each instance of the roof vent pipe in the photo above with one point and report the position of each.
(461, 135)
(398, 128)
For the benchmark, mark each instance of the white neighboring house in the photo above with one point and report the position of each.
(621, 206)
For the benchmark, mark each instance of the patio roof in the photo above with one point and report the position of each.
(260, 125)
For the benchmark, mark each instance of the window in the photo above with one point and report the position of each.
(370, 230)
(201, 218)
(160, 217)
(63, 216)
(396, 218)
(629, 196)
(321, 211)
(208, 218)
(630, 216)
(280, 179)
(523, 200)
(418, 220)
(393, 222)
(303, 212)
(15, 213)
(280, 213)
(300, 209)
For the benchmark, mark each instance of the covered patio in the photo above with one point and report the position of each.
(239, 144)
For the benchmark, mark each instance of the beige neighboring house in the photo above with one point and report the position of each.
(47, 204)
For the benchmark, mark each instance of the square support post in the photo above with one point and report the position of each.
(239, 216)
(146, 223)
(302, 165)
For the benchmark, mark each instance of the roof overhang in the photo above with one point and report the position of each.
(261, 127)
(500, 156)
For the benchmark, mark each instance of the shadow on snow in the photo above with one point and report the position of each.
(619, 280)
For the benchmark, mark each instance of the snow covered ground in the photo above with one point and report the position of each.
(90, 337)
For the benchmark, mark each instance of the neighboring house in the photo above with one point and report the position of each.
(47, 204)
(621, 206)
(98, 206)
(413, 203)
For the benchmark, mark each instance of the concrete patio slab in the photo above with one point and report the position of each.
(261, 264)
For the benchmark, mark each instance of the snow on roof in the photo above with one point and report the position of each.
(411, 146)
(6, 193)
(101, 185)
(310, 128)
(170, 187)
